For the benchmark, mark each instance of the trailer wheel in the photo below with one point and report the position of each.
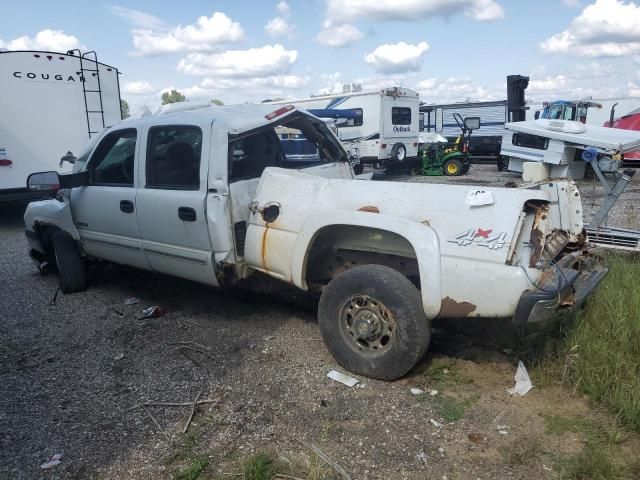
(373, 323)
(452, 167)
(69, 263)
(399, 152)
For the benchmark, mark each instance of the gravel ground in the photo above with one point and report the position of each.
(73, 370)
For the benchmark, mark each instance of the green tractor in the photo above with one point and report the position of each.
(437, 159)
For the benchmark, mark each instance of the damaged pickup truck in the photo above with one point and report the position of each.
(208, 194)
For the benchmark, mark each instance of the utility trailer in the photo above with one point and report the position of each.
(51, 103)
(382, 124)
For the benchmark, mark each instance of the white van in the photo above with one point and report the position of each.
(382, 124)
(51, 103)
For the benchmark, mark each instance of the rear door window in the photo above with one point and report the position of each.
(173, 157)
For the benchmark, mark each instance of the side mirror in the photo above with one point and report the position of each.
(536, 115)
(43, 181)
(472, 123)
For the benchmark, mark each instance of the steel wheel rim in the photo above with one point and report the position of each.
(366, 325)
(401, 153)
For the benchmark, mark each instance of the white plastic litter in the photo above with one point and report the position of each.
(523, 382)
(416, 391)
(52, 462)
(435, 424)
(131, 301)
(433, 393)
(342, 378)
(479, 197)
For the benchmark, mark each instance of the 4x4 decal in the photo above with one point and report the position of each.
(480, 237)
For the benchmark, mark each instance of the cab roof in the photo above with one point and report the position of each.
(236, 118)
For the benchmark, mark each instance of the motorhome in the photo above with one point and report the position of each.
(51, 104)
(381, 125)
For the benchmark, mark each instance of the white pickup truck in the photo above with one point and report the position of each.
(208, 194)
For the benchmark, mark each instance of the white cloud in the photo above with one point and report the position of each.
(339, 35)
(606, 28)
(53, 40)
(455, 89)
(255, 62)
(341, 11)
(137, 18)
(548, 84)
(283, 9)
(397, 58)
(279, 27)
(207, 34)
(138, 88)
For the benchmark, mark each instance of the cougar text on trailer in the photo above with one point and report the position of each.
(51, 103)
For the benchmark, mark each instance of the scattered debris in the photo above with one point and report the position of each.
(337, 468)
(54, 299)
(119, 356)
(523, 382)
(52, 462)
(435, 424)
(131, 301)
(433, 393)
(152, 312)
(422, 457)
(342, 378)
(503, 432)
(323, 403)
(476, 437)
(193, 411)
(269, 337)
(160, 429)
(416, 391)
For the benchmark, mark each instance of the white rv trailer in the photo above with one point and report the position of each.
(386, 126)
(51, 103)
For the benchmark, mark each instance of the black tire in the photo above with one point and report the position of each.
(465, 168)
(452, 167)
(358, 169)
(500, 163)
(399, 152)
(401, 305)
(69, 263)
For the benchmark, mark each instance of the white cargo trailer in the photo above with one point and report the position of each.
(50, 103)
(382, 125)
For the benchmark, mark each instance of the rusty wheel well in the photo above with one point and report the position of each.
(339, 247)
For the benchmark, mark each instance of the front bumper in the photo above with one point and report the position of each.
(562, 291)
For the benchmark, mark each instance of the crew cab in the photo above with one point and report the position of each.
(209, 195)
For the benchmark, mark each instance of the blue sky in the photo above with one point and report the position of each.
(448, 50)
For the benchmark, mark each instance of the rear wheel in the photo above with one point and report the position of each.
(373, 323)
(399, 152)
(69, 263)
(452, 167)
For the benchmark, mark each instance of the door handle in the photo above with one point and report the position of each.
(187, 214)
(126, 206)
